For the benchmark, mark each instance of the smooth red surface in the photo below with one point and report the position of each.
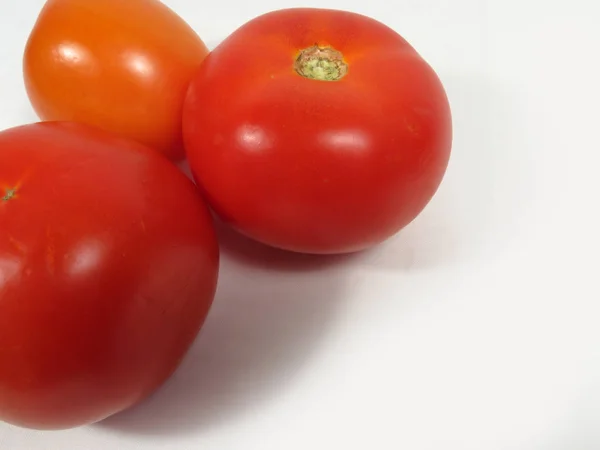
(108, 267)
(123, 66)
(314, 166)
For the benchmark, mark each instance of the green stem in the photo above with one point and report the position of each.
(10, 193)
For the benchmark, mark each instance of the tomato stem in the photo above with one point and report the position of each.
(10, 193)
(321, 63)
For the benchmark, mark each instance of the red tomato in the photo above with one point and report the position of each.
(123, 66)
(317, 131)
(108, 267)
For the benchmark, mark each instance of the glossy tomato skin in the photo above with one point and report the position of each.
(309, 165)
(108, 267)
(123, 66)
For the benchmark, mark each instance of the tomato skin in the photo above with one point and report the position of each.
(108, 267)
(317, 166)
(123, 66)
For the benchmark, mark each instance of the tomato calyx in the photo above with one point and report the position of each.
(9, 194)
(321, 64)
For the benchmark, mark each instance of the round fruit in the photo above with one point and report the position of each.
(123, 66)
(317, 131)
(108, 267)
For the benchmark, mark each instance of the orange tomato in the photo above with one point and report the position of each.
(122, 66)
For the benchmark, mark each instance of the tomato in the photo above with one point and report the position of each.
(108, 267)
(123, 66)
(317, 131)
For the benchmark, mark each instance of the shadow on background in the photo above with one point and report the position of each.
(272, 311)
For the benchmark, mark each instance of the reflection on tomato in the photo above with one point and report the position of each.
(123, 66)
(332, 136)
(108, 267)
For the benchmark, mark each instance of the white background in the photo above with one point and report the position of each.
(476, 328)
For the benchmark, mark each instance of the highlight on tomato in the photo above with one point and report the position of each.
(122, 66)
(108, 267)
(317, 131)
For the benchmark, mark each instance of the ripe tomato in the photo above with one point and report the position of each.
(108, 266)
(317, 131)
(123, 66)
